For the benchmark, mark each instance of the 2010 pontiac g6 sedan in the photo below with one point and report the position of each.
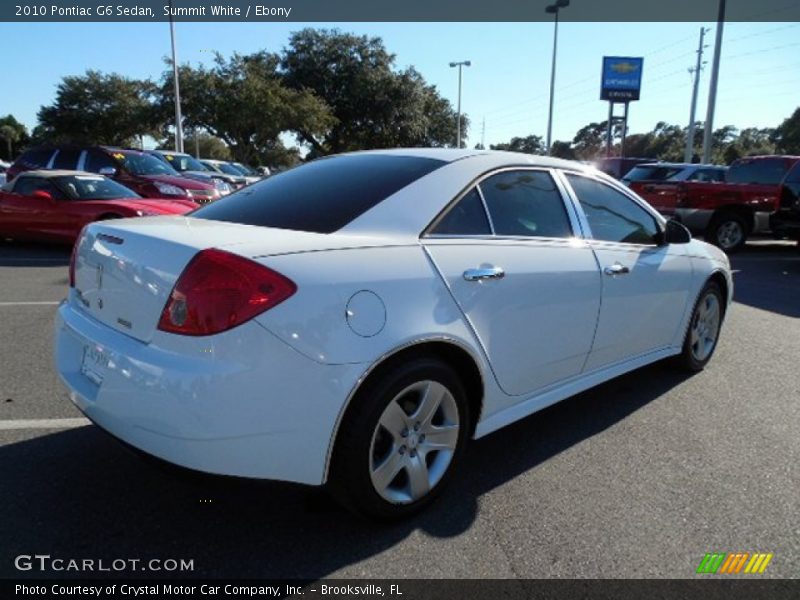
(356, 320)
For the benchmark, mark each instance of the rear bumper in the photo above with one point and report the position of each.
(240, 403)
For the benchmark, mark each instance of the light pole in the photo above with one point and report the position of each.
(553, 9)
(463, 63)
(178, 118)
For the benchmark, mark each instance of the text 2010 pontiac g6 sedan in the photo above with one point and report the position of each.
(358, 319)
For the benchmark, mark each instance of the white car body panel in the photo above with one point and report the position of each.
(265, 399)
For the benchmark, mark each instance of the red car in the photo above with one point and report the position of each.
(139, 171)
(53, 206)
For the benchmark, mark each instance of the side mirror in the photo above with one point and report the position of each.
(42, 195)
(108, 171)
(676, 233)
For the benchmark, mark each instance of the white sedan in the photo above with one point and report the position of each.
(356, 320)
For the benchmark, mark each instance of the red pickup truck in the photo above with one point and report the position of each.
(724, 212)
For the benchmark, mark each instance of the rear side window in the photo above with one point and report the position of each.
(651, 173)
(766, 171)
(36, 159)
(467, 217)
(526, 203)
(322, 196)
(612, 216)
(67, 158)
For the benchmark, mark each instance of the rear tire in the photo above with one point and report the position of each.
(702, 334)
(401, 440)
(728, 231)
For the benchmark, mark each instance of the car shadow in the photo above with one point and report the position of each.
(79, 494)
(767, 276)
(29, 254)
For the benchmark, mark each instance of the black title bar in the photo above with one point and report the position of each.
(394, 10)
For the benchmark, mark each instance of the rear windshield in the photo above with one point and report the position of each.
(651, 173)
(322, 196)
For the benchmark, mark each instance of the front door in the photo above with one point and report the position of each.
(645, 283)
(529, 289)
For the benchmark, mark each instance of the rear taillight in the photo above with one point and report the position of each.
(219, 290)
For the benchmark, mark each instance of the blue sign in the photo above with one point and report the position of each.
(622, 78)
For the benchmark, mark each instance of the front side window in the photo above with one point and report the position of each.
(67, 158)
(467, 217)
(527, 204)
(96, 160)
(184, 162)
(612, 216)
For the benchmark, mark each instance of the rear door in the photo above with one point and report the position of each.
(645, 285)
(529, 288)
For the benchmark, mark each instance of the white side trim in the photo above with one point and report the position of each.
(565, 390)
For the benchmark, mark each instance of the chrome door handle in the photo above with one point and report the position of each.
(484, 273)
(616, 269)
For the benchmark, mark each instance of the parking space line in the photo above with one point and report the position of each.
(44, 423)
(47, 303)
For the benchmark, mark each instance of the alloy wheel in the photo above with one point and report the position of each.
(705, 327)
(414, 442)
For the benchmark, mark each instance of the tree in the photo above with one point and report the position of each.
(590, 140)
(373, 106)
(561, 149)
(96, 108)
(787, 135)
(244, 102)
(209, 146)
(529, 145)
(14, 134)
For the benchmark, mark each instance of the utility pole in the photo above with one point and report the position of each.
(483, 134)
(687, 155)
(712, 90)
(178, 118)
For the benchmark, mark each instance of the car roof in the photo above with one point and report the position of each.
(49, 173)
(170, 152)
(409, 210)
(680, 165)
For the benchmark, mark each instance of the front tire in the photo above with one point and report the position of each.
(704, 327)
(401, 440)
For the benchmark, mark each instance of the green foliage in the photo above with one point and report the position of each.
(209, 145)
(14, 136)
(243, 101)
(531, 144)
(787, 135)
(374, 106)
(99, 108)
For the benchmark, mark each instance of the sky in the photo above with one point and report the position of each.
(507, 84)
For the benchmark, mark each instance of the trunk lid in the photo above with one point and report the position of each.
(125, 269)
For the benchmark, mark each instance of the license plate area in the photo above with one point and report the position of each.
(94, 363)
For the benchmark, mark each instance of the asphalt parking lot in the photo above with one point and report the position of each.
(637, 478)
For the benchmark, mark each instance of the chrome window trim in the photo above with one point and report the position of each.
(486, 208)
